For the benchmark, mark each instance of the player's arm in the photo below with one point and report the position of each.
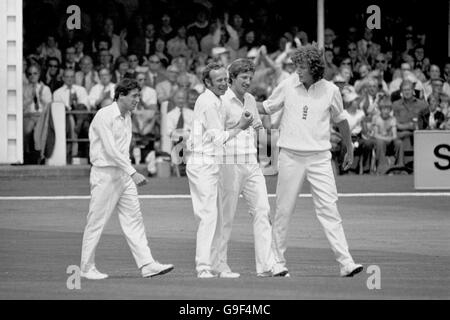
(339, 118)
(274, 103)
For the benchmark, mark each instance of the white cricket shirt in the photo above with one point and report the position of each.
(110, 138)
(305, 124)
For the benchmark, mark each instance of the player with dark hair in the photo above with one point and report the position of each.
(113, 184)
(309, 103)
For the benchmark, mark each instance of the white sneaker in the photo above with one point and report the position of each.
(265, 274)
(351, 269)
(93, 274)
(155, 268)
(229, 274)
(206, 274)
(280, 270)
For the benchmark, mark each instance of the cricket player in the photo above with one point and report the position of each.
(113, 184)
(204, 150)
(241, 173)
(309, 102)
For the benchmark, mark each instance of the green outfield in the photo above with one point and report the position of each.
(406, 236)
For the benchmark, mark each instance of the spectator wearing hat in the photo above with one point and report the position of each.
(431, 118)
(385, 133)
(362, 143)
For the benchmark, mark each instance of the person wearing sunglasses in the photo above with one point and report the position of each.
(53, 75)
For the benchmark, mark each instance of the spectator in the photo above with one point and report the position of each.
(87, 77)
(363, 70)
(345, 69)
(355, 59)
(447, 71)
(69, 59)
(444, 103)
(382, 67)
(79, 49)
(36, 98)
(49, 49)
(177, 46)
(166, 31)
(329, 38)
(435, 74)
(207, 42)
(394, 86)
(431, 118)
(181, 64)
(237, 24)
(180, 118)
(161, 52)
(421, 62)
(119, 45)
(362, 146)
(155, 72)
(166, 88)
(331, 70)
(74, 97)
(388, 142)
(365, 44)
(282, 41)
(102, 90)
(225, 36)
(200, 27)
(371, 96)
(192, 98)
(133, 66)
(120, 69)
(248, 44)
(149, 100)
(53, 76)
(406, 112)
(105, 59)
(142, 46)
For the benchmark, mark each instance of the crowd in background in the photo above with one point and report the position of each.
(389, 89)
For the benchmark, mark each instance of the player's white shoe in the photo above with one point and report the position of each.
(280, 270)
(229, 274)
(93, 274)
(351, 269)
(155, 268)
(265, 274)
(206, 274)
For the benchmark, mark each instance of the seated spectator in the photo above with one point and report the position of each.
(141, 45)
(69, 59)
(74, 97)
(161, 52)
(362, 146)
(345, 69)
(156, 72)
(364, 71)
(177, 46)
(200, 27)
(444, 103)
(248, 43)
(53, 75)
(385, 133)
(87, 77)
(102, 90)
(382, 67)
(421, 62)
(416, 83)
(331, 70)
(166, 31)
(192, 98)
(119, 45)
(50, 49)
(120, 69)
(166, 88)
(183, 69)
(431, 118)
(405, 72)
(207, 43)
(329, 42)
(406, 112)
(148, 99)
(355, 60)
(79, 50)
(36, 98)
(435, 74)
(133, 66)
(105, 59)
(180, 118)
(370, 97)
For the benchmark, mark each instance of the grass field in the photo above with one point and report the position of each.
(406, 236)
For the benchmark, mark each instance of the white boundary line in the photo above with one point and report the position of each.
(187, 196)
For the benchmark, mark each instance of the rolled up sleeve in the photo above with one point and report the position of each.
(337, 107)
(276, 100)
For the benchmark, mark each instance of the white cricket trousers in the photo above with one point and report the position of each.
(112, 189)
(204, 185)
(316, 167)
(248, 180)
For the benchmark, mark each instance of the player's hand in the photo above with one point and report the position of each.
(139, 179)
(246, 120)
(257, 124)
(348, 158)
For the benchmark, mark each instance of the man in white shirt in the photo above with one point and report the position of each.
(103, 90)
(205, 147)
(309, 103)
(87, 77)
(179, 119)
(73, 97)
(241, 173)
(113, 185)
